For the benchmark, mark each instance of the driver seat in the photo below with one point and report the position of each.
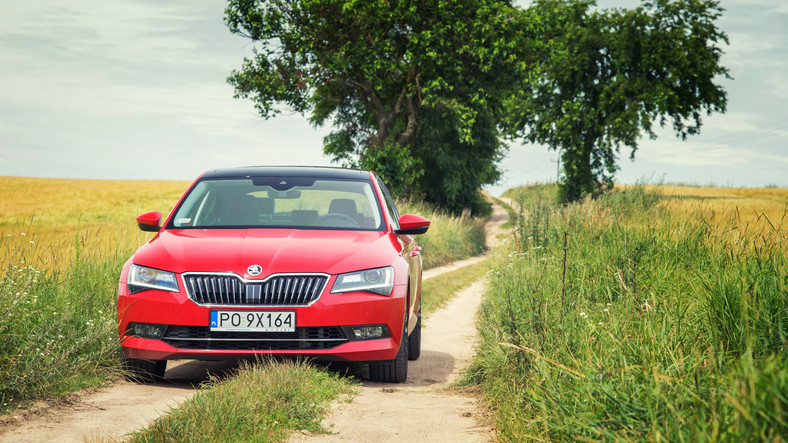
(344, 206)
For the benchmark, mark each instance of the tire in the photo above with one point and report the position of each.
(144, 371)
(414, 340)
(393, 371)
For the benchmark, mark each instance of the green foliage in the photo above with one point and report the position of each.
(263, 402)
(412, 88)
(457, 166)
(639, 324)
(600, 78)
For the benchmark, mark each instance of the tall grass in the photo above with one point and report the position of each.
(58, 331)
(621, 319)
(450, 237)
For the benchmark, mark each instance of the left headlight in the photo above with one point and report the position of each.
(142, 278)
(379, 280)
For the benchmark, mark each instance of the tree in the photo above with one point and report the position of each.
(601, 78)
(412, 88)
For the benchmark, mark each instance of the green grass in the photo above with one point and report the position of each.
(263, 402)
(449, 238)
(656, 326)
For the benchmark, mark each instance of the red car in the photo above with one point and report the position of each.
(276, 260)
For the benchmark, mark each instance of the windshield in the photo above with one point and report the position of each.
(280, 202)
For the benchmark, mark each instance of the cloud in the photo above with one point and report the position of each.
(136, 89)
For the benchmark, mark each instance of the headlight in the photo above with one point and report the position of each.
(142, 278)
(380, 281)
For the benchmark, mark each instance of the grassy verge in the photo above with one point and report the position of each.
(624, 319)
(264, 402)
(449, 238)
(437, 291)
(58, 331)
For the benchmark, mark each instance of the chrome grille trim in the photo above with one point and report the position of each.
(229, 289)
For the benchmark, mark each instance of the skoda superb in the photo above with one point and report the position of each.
(275, 260)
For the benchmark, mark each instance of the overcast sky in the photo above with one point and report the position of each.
(137, 90)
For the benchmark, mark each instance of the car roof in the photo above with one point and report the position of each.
(288, 171)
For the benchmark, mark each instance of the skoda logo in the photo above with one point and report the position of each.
(254, 270)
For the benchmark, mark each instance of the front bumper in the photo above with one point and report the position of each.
(323, 329)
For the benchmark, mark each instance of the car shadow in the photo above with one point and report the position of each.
(431, 368)
(189, 374)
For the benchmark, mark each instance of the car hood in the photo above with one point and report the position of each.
(275, 250)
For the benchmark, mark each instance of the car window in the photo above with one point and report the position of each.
(391, 207)
(280, 203)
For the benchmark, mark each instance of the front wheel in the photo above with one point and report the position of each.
(393, 371)
(414, 341)
(144, 371)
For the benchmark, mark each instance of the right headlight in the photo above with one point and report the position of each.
(378, 280)
(142, 278)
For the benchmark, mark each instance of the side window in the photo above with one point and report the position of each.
(392, 209)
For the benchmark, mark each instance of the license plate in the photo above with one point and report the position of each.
(253, 321)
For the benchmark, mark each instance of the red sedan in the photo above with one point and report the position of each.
(276, 260)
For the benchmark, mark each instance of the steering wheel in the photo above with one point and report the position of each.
(343, 220)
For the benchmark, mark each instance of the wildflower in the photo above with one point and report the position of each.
(22, 234)
(607, 310)
(600, 323)
(583, 314)
(31, 242)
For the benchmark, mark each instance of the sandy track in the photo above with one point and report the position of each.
(112, 412)
(421, 409)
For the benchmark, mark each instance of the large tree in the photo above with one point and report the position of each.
(601, 78)
(414, 89)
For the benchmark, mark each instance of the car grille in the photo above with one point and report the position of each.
(304, 338)
(277, 290)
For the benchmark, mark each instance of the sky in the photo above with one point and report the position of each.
(137, 90)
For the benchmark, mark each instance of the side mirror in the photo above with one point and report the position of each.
(149, 221)
(410, 224)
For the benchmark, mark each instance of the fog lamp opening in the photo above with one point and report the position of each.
(147, 330)
(368, 332)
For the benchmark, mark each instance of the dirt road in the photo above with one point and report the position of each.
(421, 409)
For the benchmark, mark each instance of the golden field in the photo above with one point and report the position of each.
(41, 219)
(756, 209)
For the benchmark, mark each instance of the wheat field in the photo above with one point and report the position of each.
(756, 208)
(41, 219)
